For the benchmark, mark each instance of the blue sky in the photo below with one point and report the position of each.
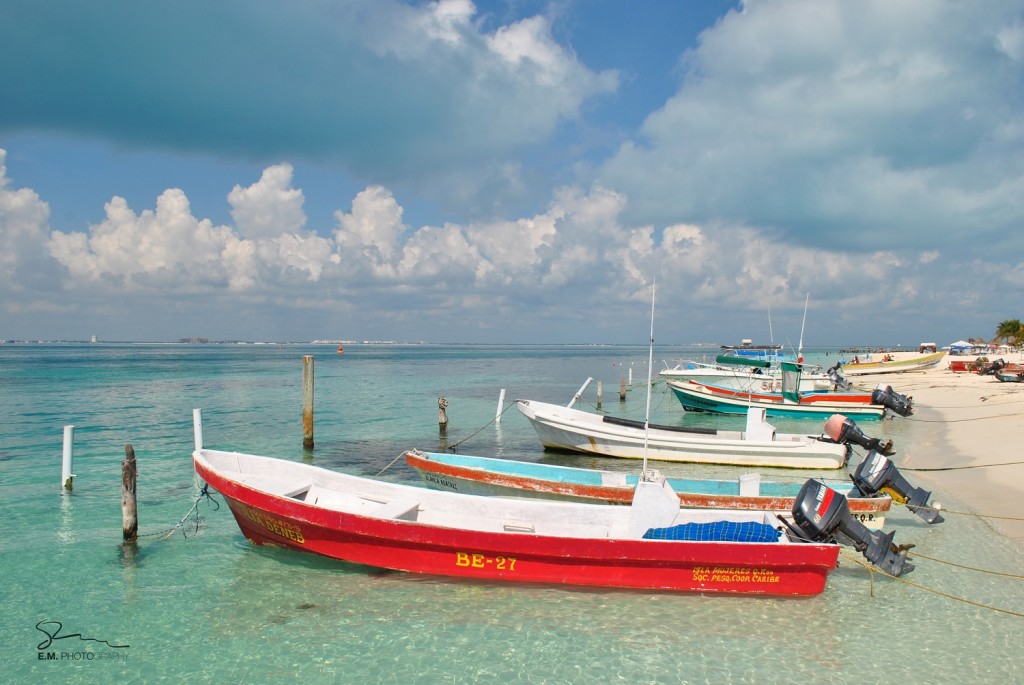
(508, 171)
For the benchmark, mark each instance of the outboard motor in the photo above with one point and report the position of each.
(876, 475)
(993, 368)
(835, 375)
(846, 431)
(892, 400)
(822, 515)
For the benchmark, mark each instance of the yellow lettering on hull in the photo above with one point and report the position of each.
(276, 526)
(480, 561)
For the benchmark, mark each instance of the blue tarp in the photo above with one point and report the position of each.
(718, 531)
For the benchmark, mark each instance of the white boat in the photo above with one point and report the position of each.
(859, 368)
(747, 375)
(759, 445)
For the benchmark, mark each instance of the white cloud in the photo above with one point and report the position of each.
(368, 238)
(268, 207)
(824, 121)
(23, 220)
(579, 263)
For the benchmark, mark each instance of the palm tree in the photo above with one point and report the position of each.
(1008, 329)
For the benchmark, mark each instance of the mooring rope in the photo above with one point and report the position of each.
(873, 570)
(943, 510)
(392, 463)
(970, 568)
(960, 468)
(976, 418)
(205, 492)
(455, 446)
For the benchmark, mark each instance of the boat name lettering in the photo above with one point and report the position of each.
(730, 574)
(483, 561)
(437, 480)
(277, 526)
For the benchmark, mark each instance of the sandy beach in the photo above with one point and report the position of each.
(977, 421)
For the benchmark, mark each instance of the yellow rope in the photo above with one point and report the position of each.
(962, 513)
(969, 568)
(969, 466)
(874, 570)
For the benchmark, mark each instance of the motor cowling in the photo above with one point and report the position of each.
(992, 368)
(892, 400)
(822, 515)
(835, 375)
(876, 474)
(846, 431)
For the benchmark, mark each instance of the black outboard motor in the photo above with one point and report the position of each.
(991, 369)
(846, 431)
(822, 515)
(876, 475)
(892, 400)
(835, 375)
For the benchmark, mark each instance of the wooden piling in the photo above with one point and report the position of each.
(307, 402)
(129, 510)
(600, 394)
(622, 389)
(442, 415)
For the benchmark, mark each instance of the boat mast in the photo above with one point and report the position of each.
(800, 348)
(650, 364)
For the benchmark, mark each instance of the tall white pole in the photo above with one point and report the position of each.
(650, 364)
(800, 348)
(69, 457)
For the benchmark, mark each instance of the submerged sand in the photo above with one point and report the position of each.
(978, 429)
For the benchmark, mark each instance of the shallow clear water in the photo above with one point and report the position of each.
(206, 606)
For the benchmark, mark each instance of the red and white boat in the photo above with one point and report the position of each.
(407, 528)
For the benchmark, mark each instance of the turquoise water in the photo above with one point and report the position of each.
(206, 606)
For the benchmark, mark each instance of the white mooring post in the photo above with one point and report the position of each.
(66, 477)
(197, 427)
(197, 432)
(501, 402)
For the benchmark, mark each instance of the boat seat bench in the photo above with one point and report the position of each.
(405, 509)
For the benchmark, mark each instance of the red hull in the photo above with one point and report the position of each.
(713, 567)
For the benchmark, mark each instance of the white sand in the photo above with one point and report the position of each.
(977, 420)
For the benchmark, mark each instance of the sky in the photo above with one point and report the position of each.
(512, 171)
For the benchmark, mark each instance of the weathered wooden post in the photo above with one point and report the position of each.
(66, 477)
(129, 510)
(622, 389)
(307, 402)
(600, 392)
(442, 415)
